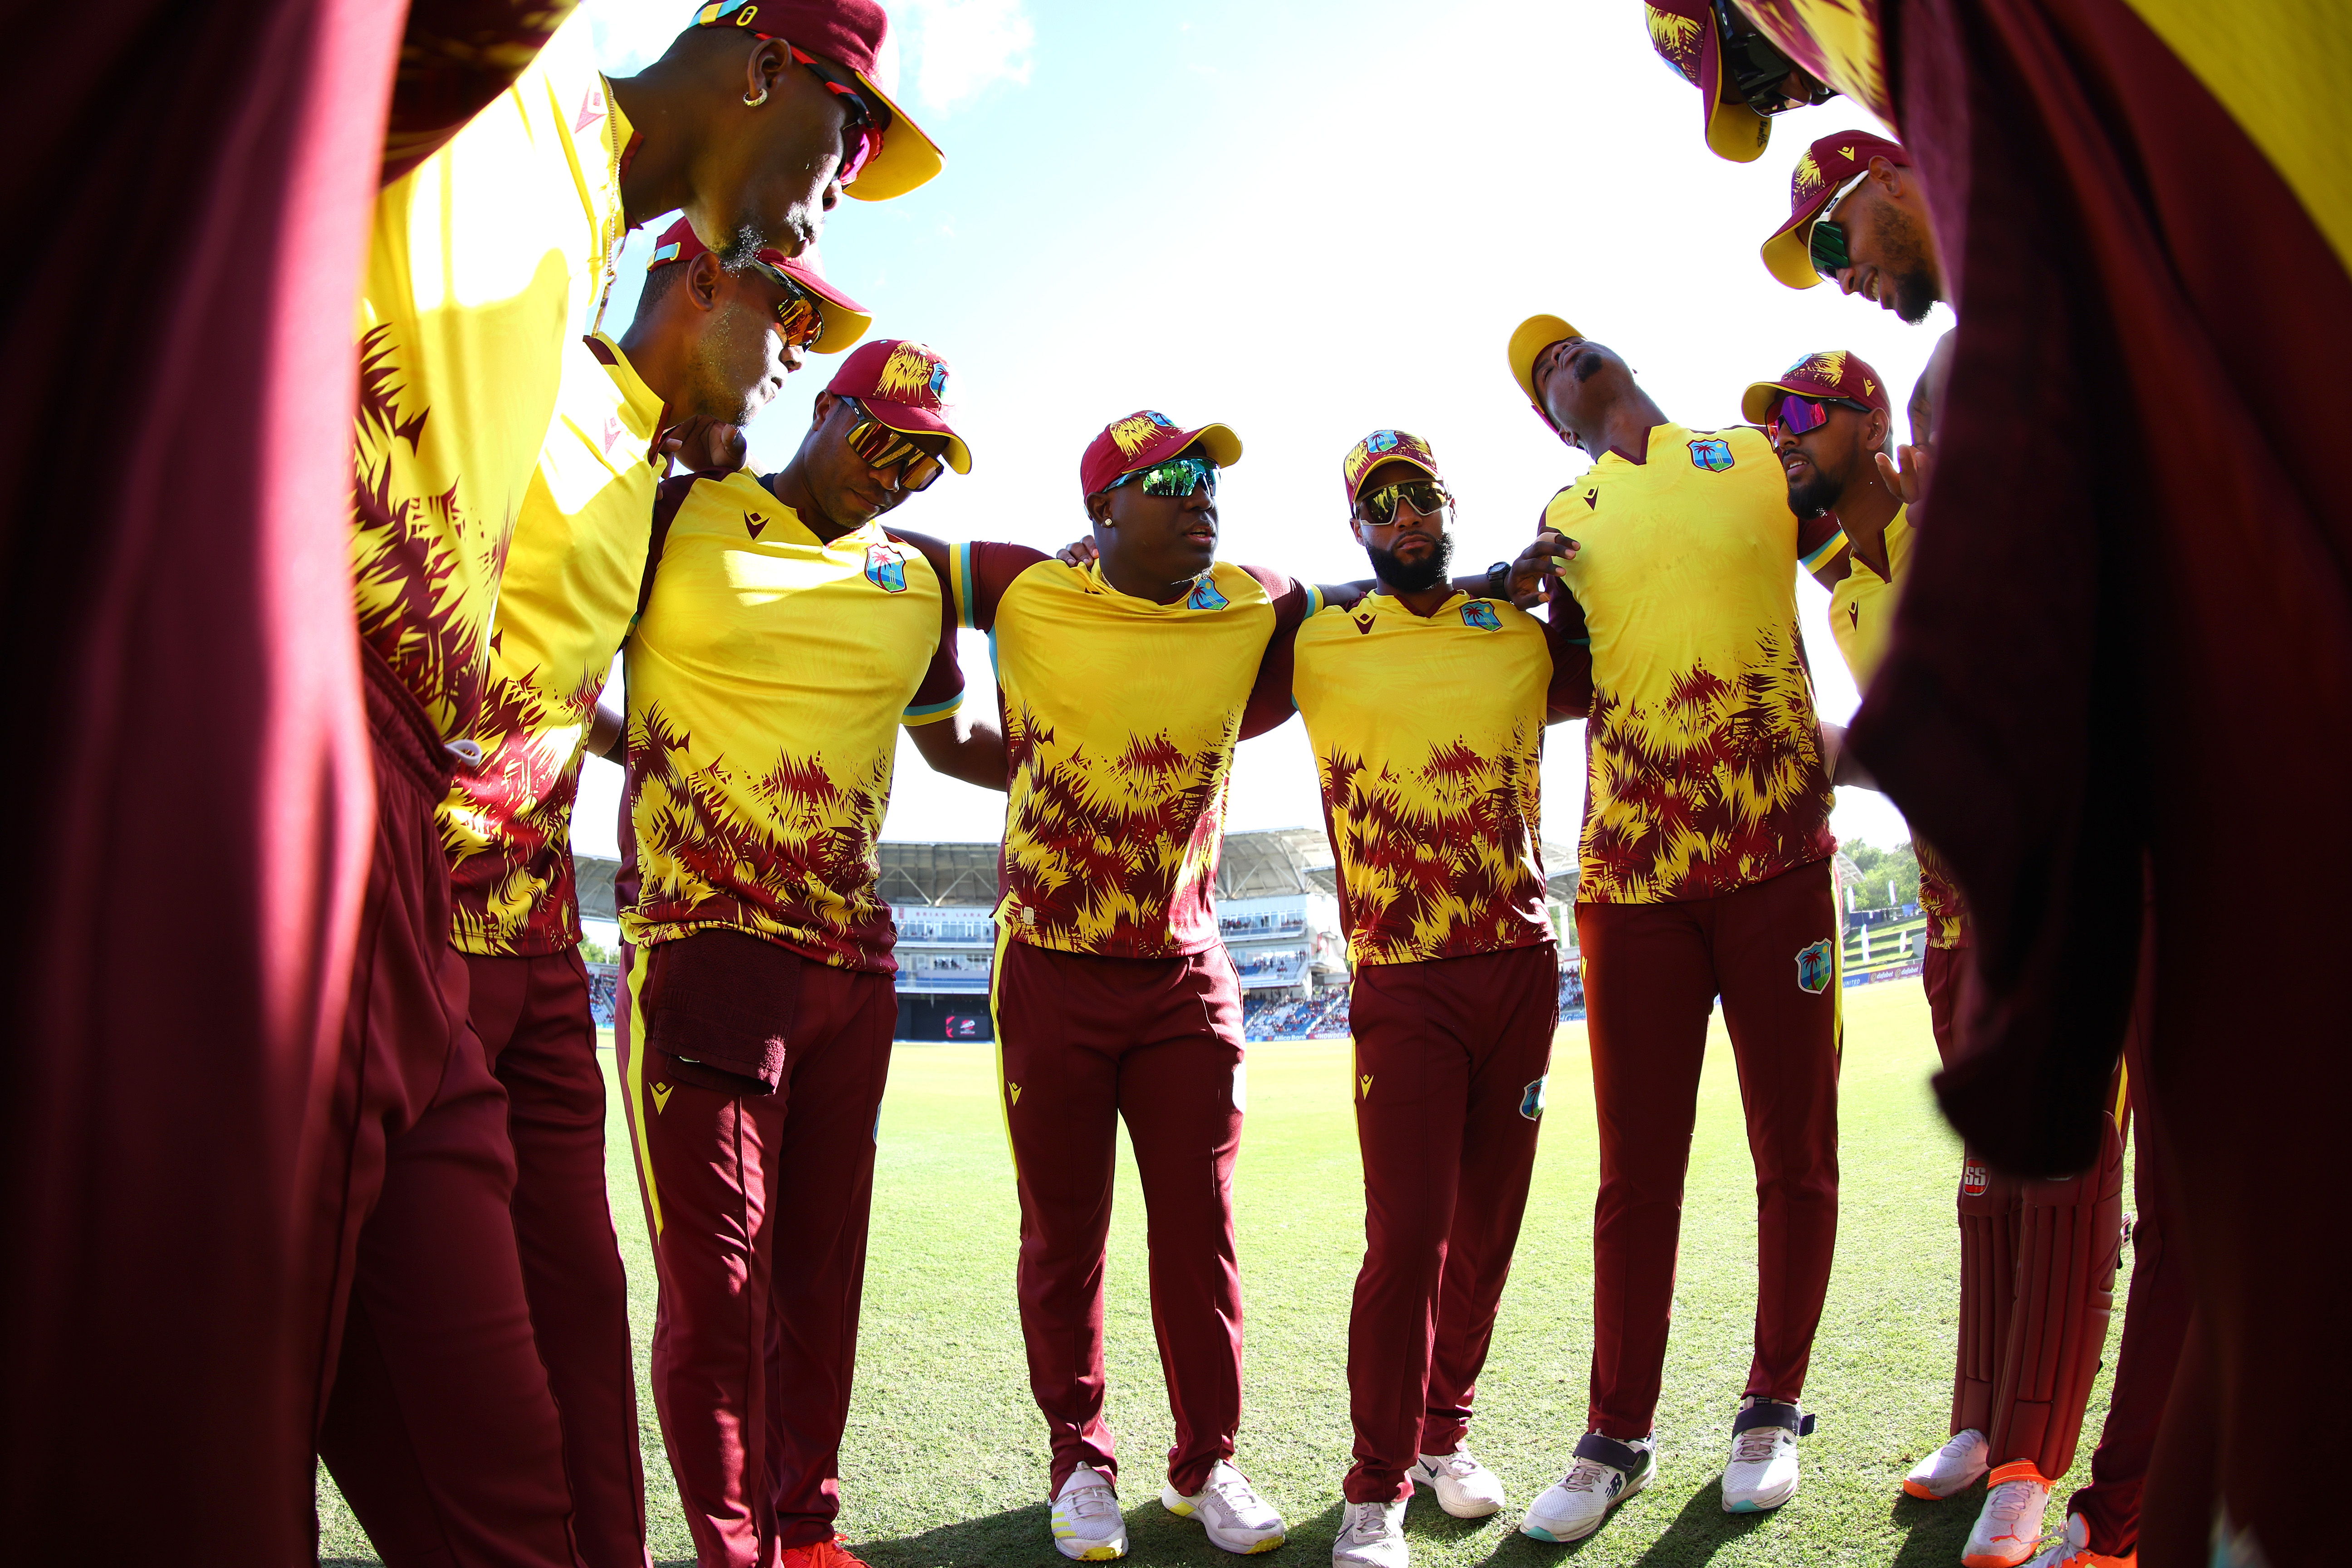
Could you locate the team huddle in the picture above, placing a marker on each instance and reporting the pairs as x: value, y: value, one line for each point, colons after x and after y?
x: 530, y: 506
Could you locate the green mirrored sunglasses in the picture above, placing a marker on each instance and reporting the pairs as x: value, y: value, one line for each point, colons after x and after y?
x: 1175, y: 476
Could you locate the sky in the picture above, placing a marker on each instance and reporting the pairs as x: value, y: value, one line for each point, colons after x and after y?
x: 1307, y: 221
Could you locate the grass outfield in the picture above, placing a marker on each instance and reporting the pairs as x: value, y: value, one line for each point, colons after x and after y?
x: 944, y: 1465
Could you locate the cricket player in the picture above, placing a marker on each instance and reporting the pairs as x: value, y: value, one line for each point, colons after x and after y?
x: 1124, y: 686
x: 789, y: 633
x: 1426, y: 707
x: 2037, y: 1257
x: 708, y: 350
x: 435, y: 1414
x: 1705, y: 861
x: 2145, y: 424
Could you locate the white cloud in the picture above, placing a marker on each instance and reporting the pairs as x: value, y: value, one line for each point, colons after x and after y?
x: 957, y: 49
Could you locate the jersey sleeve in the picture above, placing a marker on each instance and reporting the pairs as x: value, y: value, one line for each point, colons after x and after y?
x: 977, y: 575
x: 941, y: 695
x: 1270, y: 700
x: 1570, y: 695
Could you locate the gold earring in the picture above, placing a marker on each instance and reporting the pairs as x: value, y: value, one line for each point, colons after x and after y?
x: 750, y: 102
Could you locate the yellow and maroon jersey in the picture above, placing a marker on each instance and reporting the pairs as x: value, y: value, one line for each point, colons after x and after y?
x: 1428, y: 738
x: 1120, y: 719
x: 483, y: 260
x: 569, y: 592
x: 767, y: 680
x: 1862, y: 605
x: 2264, y: 61
x: 1862, y: 617
x: 1703, y: 756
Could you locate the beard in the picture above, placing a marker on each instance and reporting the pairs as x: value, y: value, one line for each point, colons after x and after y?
x: 1813, y: 496
x: 721, y: 381
x: 1416, y: 577
x: 1906, y: 264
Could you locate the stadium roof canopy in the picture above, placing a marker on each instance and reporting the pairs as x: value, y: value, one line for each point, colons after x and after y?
x: 1260, y: 865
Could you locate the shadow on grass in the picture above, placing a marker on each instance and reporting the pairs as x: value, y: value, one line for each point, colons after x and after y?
x: 1700, y: 1530
x: 1933, y: 1532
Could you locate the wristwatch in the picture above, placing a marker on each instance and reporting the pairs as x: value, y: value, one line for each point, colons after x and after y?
x: 1498, y: 580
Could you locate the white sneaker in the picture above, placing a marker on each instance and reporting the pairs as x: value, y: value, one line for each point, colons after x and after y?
x: 1087, y: 1520
x: 1230, y: 1510
x: 1371, y: 1535
x: 1761, y: 1473
x: 1466, y: 1489
x: 2073, y: 1549
x: 1605, y: 1474
x: 1956, y: 1467
x: 2009, y: 1529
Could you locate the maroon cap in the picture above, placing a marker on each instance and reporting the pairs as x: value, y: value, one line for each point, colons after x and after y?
x: 1833, y: 372
x: 905, y: 386
x: 843, y: 320
x: 1825, y: 170
x: 1144, y: 438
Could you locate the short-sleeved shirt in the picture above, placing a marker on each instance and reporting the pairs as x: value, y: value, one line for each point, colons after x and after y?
x: 1120, y: 719
x: 569, y: 590
x: 1703, y: 756
x: 483, y: 260
x: 767, y: 680
x: 1428, y: 739
x: 1862, y: 617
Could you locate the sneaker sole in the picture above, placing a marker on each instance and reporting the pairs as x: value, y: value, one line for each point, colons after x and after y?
x: 1998, y: 1558
x: 1245, y: 1547
x: 1762, y: 1505
x: 1103, y: 1553
x: 1537, y: 1532
x: 1483, y: 1510
x: 1926, y: 1492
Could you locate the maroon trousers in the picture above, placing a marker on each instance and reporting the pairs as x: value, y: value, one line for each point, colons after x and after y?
x: 1082, y: 1042
x: 532, y: 1016
x: 2156, y: 1315
x: 1452, y: 1056
x: 1651, y: 973
x: 435, y: 1415
x: 758, y: 1205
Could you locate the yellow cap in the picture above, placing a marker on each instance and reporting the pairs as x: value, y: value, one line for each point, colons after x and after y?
x: 1529, y: 342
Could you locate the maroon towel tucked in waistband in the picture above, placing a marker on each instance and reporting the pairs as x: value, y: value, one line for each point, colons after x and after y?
x: 721, y: 1004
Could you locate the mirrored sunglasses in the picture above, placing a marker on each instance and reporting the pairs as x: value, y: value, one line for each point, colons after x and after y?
x: 1177, y: 476
x: 1826, y: 244
x: 880, y: 447
x: 797, y: 311
x: 861, y: 127
x: 1799, y: 416
x: 1426, y: 497
x: 1760, y: 71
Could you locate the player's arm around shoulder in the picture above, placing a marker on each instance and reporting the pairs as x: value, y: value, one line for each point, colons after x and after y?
x: 950, y: 740
x: 1567, y: 637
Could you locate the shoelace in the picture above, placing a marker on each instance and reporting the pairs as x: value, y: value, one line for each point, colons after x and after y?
x: 1586, y: 1476
x: 1756, y: 1444
x: 1457, y: 1464
x: 1091, y: 1504
x: 2010, y: 1501
x: 1232, y: 1489
x: 1366, y: 1522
